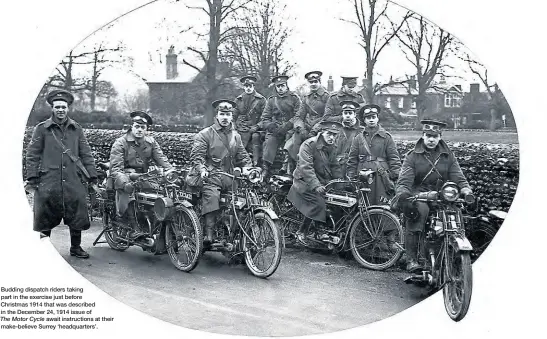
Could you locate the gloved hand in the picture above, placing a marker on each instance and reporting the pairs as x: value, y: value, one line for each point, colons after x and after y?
x: 272, y: 127
x: 320, y: 189
x: 401, y: 202
x: 285, y: 128
x: 465, y: 191
x: 129, y: 187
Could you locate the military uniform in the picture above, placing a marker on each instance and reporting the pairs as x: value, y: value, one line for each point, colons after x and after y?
x: 333, y: 108
x: 278, y: 119
x: 246, y: 117
x: 418, y: 175
x: 60, y: 193
x: 130, y: 155
x: 317, y: 165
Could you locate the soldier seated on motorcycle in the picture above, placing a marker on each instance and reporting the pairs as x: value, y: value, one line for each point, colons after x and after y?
x: 317, y: 165
x: 133, y: 153
x: 217, y: 147
x: 430, y: 163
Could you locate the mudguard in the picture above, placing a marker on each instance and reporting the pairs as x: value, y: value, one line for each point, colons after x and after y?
x: 186, y: 203
x: 462, y: 244
x: 267, y: 211
x: 382, y: 207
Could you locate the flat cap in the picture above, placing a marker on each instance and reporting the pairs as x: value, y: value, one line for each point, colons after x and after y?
x: 313, y: 75
x: 224, y: 105
x: 280, y: 79
x: 433, y: 126
x: 349, y: 105
x: 370, y: 109
x: 331, y: 126
x: 248, y: 79
x: 60, y: 94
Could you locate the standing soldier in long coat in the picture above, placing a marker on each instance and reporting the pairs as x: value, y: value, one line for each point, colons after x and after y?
x: 429, y: 163
x: 58, y: 160
x: 333, y: 108
x: 375, y: 149
x: 350, y: 129
x: 134, y: 152
x: 278, y: 120
x: 217, y: 147
x: 310, y: 113
x: 317, y: 165
x: 250, y: 105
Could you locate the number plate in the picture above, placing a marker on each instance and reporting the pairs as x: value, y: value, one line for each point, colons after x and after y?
x: 184, y: 195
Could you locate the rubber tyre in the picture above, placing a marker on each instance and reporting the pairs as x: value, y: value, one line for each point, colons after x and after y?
x: 174, y: 233
x: 111, y: 237
x: 276, y: 237
x: 462, y: 261
x: 393, y: 256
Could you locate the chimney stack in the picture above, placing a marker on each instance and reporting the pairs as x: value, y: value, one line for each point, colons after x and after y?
x: 171, y: 63
x: 330, y: 84
x: 412, y: 82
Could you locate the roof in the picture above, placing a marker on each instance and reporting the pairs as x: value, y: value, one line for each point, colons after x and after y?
x: 398, y: 89
x: 442, y: 88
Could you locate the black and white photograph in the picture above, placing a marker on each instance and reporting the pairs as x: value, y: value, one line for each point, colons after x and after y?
x: 268, y: 168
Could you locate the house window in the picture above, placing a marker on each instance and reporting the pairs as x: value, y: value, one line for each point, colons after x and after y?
x: 413, y: 103
x: 388, y: 102
x: 401, y: 102
x: 452, y: 100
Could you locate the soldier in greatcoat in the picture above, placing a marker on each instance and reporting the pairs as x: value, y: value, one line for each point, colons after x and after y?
x: 250, y: 105
x: 317, y: 165
x: 347, y: 92
x: 58, y: 163
x: 351, y: 127
x: 217, y: 148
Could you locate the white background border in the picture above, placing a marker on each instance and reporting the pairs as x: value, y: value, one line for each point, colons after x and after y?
x: 508, y: 296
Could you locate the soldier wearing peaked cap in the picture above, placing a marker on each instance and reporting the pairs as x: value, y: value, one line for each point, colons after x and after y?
x: 217, y: 147
x: 58, y: 162
x: 347, y: 92
x: 278, y: 119
x: 317, y: 165
x: 429, y: 164
x: 250, y: 105
x: 350, y: 129
x: 375, y: 149
x: 134, y: 152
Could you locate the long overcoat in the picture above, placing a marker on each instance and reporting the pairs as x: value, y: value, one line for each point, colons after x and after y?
x: 333, y: 108
x: 316, y: 166
x: 344, y: 141
x: 247, y: 113
x: 384, y: 153
x: 61, y: 192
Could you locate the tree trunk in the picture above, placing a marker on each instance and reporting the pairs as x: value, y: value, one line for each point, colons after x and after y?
x: 94, y: 82
x: 493, y: 119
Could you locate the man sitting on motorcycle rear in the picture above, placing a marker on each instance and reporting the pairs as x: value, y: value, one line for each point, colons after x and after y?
x: 317, y: 165
x: 133, y: 153
x: 217, y: 147
x: 423, y: 168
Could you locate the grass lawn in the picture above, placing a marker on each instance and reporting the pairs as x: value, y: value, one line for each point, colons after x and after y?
x: 463, y: 136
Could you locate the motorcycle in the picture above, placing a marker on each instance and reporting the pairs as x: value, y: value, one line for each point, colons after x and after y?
x: 163, y: 214
x: 372, y: 233
x: 246, y: 225
x: 446, y: 250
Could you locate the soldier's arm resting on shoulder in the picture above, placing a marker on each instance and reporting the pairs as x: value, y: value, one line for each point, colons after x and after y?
x: 393, y: 158
x: 305, y: 162
x: 159, y: 158
x: 406, y: 175
x: 199, y: 151
x: 35, y: 149
x: 353, y: 157
x: 86, y: 155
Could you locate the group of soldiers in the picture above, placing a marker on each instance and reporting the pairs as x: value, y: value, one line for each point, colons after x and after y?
x: 324, y: 137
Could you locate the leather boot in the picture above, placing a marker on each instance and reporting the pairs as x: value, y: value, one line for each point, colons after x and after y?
x: 209, y: 227
x: 256, y: 155
x: 132, y: 221
x: 75, y: 242
x: 411, y: 247
x: 291, y: 166
x: 266, y: 171
x: 302, y: 232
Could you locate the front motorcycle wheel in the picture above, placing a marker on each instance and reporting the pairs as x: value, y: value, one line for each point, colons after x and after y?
x: 112, y: 232
x: 263, y: 250
x: 458, y: 276
x: 184, y: 239
x: 376, y: 246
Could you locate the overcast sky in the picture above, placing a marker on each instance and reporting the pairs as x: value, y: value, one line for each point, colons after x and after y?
x: 321, y: 41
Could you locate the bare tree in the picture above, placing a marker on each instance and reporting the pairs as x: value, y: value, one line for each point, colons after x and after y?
x: 426, y: 47
x: 218, y: 13
x: 496, y: 100
x: 377, y: 29
x: 259, y: 41
x: 139, y: 101
x: 101, y: 58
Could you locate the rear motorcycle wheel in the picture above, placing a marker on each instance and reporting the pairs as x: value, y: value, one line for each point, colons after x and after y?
x: 377, y: 246
x: 263, y: 253
x: 112, y: 236
x: 459, y: 283
x: 289, y: 218
x: 184, y: 239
